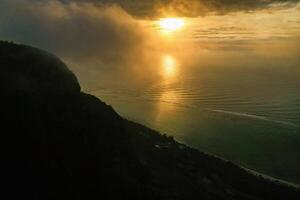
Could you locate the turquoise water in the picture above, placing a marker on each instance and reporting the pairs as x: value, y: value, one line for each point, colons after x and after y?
x: 247, y: 115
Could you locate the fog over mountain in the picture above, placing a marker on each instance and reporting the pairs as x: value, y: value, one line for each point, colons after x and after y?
x: 58, y: 142
x: 219, y: 75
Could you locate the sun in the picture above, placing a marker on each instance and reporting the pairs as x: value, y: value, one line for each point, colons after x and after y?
x: 171, y: 24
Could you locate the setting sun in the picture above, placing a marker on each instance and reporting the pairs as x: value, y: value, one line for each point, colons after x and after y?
x: 171, y: 24
x: 150, y: 99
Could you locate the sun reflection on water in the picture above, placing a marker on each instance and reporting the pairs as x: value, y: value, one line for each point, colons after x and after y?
x: 169, y: 66
x: 169, y: 96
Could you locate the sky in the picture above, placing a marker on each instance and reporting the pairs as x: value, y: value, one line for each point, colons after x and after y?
x: 124, y: 37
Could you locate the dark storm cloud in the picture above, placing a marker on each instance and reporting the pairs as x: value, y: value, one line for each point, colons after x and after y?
x: 77, y: 31
x: 190, y: 8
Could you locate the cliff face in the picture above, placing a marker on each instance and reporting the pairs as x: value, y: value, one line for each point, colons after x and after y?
x: 59, y: 143
x: 56, y: 141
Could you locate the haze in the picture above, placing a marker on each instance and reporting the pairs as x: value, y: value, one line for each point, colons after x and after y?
x: 221, y: 76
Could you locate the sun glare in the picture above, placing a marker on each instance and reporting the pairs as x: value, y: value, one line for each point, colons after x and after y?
x: 171, y: 24
x: 169, y: 65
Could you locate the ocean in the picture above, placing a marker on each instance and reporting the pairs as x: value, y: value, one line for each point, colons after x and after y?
x: 248, y: 115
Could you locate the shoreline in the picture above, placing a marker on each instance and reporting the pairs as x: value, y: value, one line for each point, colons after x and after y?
x: 251, y: 171
x: 277, y: 180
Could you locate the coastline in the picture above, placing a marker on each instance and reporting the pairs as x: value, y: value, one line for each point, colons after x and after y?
x: 182, y: 146
x: 251, y: 171
x: 277, y: 180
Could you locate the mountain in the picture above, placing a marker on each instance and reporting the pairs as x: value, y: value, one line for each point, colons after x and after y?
x: 59, y: 143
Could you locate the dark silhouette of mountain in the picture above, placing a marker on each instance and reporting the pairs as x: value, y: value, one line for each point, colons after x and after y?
x: 60, y: 143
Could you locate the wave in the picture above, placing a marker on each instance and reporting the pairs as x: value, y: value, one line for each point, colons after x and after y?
x: 153, y: 94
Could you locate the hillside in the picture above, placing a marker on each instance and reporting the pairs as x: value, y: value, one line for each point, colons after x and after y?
x: 60, y: 143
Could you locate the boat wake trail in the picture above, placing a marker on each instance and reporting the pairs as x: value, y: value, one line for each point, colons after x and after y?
x: 153, y: 95
x: 254, y: 117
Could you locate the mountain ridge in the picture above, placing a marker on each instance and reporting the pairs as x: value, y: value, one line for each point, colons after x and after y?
x: 59, y: 142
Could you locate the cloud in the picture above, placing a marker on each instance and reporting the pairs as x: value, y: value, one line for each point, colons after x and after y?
x: 89, y: 37
x: 191, y: 8
x: 96, y: 35
x: 75, y: 30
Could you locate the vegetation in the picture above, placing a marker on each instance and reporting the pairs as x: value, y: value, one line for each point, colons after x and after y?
x: 60, y: 143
